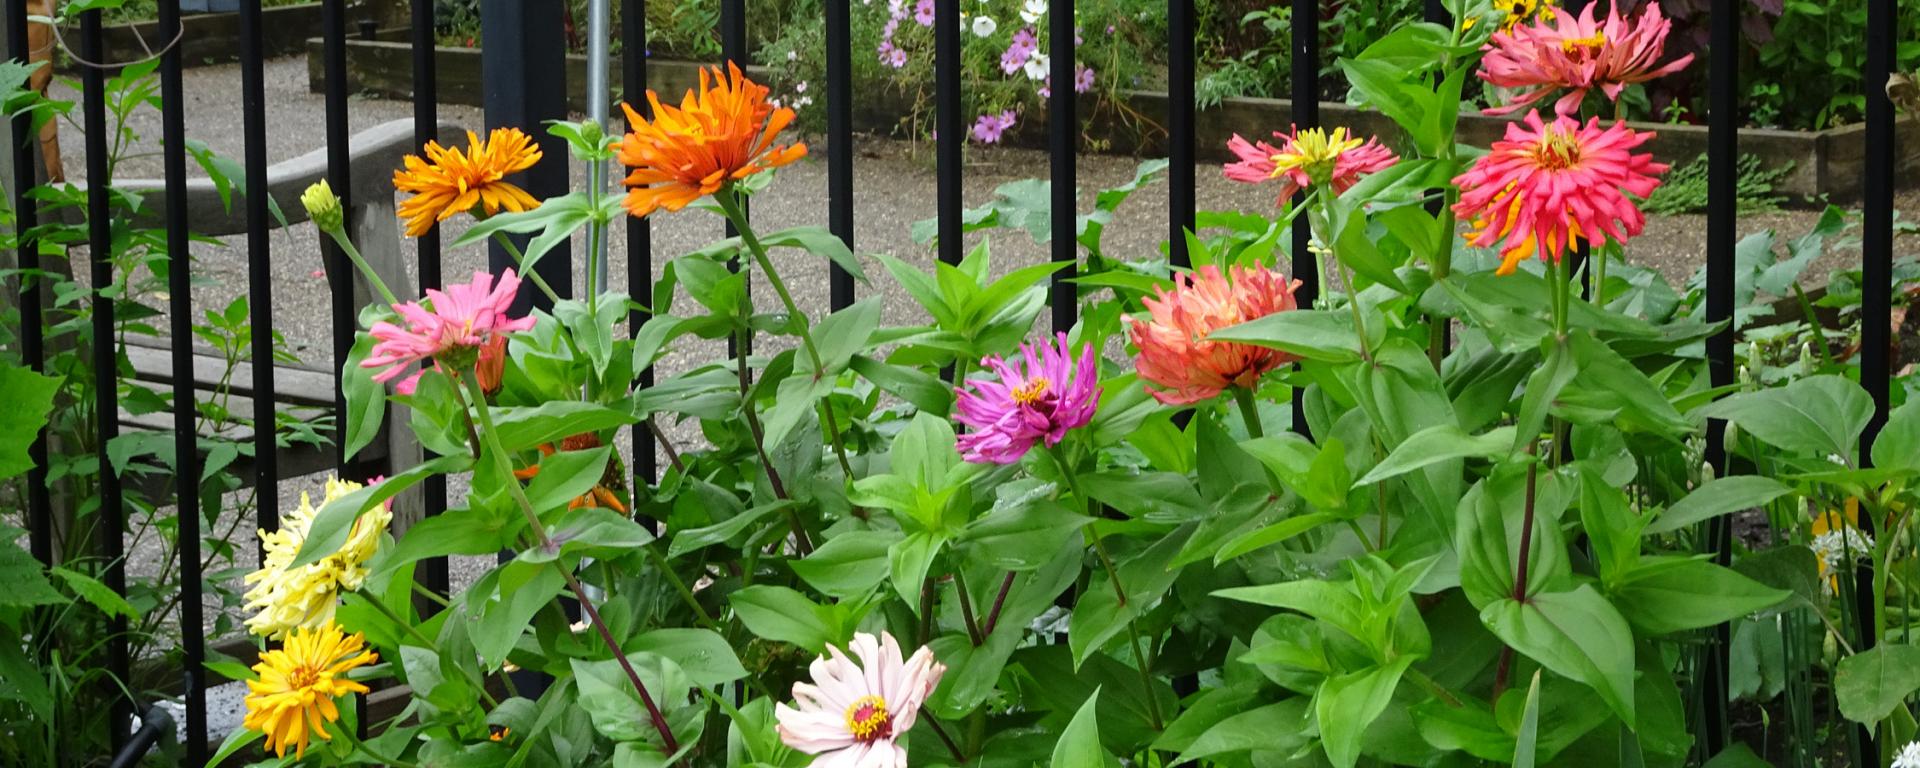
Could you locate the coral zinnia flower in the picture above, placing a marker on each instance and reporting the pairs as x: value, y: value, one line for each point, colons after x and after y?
x: 1308, y: 157
x: 294, y: 698
x: 855, y: 714
x: 718, y: 135
x: 304, y: 597
x: 1174, y: 350
x: 1577, y: 53
x: 1044, y: 398
x: 463, y: 319
x: 1545, y: 185
x: 451, y: 181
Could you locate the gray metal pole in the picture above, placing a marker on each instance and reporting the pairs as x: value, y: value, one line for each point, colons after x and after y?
x: 598, y: 92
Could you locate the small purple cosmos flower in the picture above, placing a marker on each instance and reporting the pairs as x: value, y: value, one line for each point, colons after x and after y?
x: 923, y: 13
x: 898, y: 58
x: 1082, y: 78
x: 987, y: 128
x: 1026, y: 41
x: 1049, y: 394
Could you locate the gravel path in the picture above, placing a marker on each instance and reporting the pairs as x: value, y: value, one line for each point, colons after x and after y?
x: 895, y: 186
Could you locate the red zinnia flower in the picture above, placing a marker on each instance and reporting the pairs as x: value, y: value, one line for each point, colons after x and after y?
x: 1307, y: 157
x: 1545, y: 185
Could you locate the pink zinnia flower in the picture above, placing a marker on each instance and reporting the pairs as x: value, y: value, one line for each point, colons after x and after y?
x: 853, y: 715
x: 1578, y: 54
x: 464, y: 317
x: 1174, y: 350
x: 1308, y: 157
x: 1044, y: 398
x: 1544, y: 185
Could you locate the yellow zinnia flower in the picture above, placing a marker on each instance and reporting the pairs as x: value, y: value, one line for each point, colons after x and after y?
x: 294, y: 698
x: 290, y: 598
x: 451, y: 181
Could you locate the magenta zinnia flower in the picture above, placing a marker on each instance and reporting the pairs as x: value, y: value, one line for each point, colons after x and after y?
x: 464, y: 317
x: 1336, y: 158
x: 1545, y: 185
x: 1577, y: 53
x: 852, y: 716
x: 1044, y: 398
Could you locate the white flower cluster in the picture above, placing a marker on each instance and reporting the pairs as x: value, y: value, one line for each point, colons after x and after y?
x: 1836, y: 550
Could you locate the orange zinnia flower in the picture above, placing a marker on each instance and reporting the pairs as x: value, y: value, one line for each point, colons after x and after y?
x: 1174, y: 350
x: 719, y: 134
x: 451, y: 181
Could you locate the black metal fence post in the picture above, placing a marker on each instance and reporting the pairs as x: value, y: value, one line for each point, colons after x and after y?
x: 1876, y: 287
x: 1180, y: 132
x: 253, y: 129
x: 840, y: 199
x: 1063, y: 127
x: 432, y: 573
x: 186, y: 449
x: 333, y: 29
x: 733, y: 48
x: 1306, y: 114
x: 1723, y: 153
x: 32, y: 324
x: 633, y: 66
x: 524, y: 78
x: 947, y: 125
x: 112, y: 519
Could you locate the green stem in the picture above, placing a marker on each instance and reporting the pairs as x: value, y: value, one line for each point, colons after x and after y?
x: 966, y: 607
x: 1119, y: 590
x: 1249, y: 410
x: 1346, y: 276
x: 426, y: 642
x: 521, y: 259
x: 546, y: 544
x: 360, y: 262
x: 730, y: 205
x: 378, y: 758
x: 686, y: 595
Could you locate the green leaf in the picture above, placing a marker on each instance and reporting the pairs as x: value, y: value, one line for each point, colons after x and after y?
x: 592, y: 326
x: 29, y: 397
x: 1817, y: 416
x: 1381, y: 83
x: 848, y: 565
x: 1435, y: 444
x: 565, y: 476
x: 1670, y: 594
x: 95, y: 593
x: 783, y: 615
x: 609, y: 698
x: 925, y: 392
x: 1347, y: 704
x: 1542, y: 387
x: 1577, y: 635
x: 1314, y: 334
x: 331, y: 525
x: 26, y: 682
x: 1024, y: 534
x: 1526, y: 743
x: 1079, y: 745
x: 524, y: 428
x: 1278, y: 727
x: 819, y: 242
x: 703, y: 654
x: 1898, y: 446
x: 26, y: 584
x: 1872, y: 683
x: 520, y: 590
x: 908, y: 561
x: 237, y: 739
x: 591, y: 532
x: 843, y: 334
x: 443, y: 535
x: 1099, y: 615
x: 366, y: 398
x: 1716, y: 498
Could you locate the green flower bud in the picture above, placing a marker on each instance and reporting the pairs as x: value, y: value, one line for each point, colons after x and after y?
x: 323, y: 206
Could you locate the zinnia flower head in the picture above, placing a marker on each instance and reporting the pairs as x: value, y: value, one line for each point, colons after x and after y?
x: 451, y: 181
x: 305, y: 597
x: 1575, y: 53
x: 853, y: 715
x: 464, y: 318
x: 293, y: 699
x: 1546, y: 184
x: 1306, y: 158
x: 721, y: 133
x: 1175, y: 353
x: 1048, y: 394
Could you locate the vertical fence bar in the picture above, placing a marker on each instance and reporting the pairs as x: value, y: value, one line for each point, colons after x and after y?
x: 253, y: 129
x: 1723, y: 153
x: 947, y: 123
x: 1436, y: 13
x: 333, y: 28
x: 524, y: 77
x: 633, y: 73
x: 1180, y: 133
x: 1062, y: 128
x: 1306, y: 114
x: 1876, y: 287
x: 840, y: 142
x: 186, y: 449
x: 32, y: 326
x: 733, y: 48
x: 426, y: 118
x: 106, y: 403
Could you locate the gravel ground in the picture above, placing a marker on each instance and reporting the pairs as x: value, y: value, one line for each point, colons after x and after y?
x: 895, y: 186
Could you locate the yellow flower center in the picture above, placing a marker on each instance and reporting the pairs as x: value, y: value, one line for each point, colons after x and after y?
x: 1031, y: 392
x: 1558, y: 150
x: 303, y: 676
x: 868, y: 720
x: 1592, y: 43
x: 1315, y: 151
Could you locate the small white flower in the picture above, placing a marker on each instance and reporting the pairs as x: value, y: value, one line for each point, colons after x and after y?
x: 1033, y: 10
x: 984, y: 26
x: 1836, y: 550
x: 1037, y: 67
x: 802, y: 102
x: 800, y: 87
x: 1909, y: 756
x: 793, y: 55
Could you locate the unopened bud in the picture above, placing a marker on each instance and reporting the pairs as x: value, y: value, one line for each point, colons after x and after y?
x: 323, y: 206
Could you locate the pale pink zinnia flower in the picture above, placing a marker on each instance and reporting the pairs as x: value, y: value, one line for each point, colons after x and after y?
x: 1042, y: 399
x: 1306, y: 157
x: 852, y: 716
x: 1577, y: 53
x: 1545, y: 185
x: 1174, y: 351
x: 465, y: 316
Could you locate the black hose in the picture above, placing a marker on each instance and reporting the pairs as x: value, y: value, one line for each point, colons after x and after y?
x: 157, y: 722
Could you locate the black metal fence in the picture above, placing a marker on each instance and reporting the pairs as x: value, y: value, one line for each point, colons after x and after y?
x: 525, y: 57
